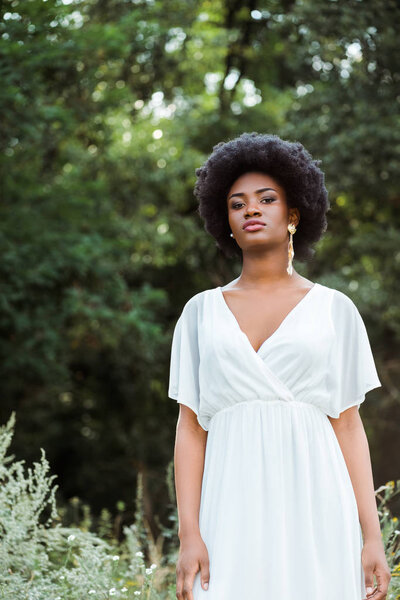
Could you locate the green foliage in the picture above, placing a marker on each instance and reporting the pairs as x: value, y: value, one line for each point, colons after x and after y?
x: 107, y: 109
x: 390, y: 525
x: 41, y: 559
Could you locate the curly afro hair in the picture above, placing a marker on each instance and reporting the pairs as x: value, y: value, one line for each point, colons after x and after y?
x: 288, y: 162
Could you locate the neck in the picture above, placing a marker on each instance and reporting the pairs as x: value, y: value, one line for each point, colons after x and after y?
x: 266, y: 270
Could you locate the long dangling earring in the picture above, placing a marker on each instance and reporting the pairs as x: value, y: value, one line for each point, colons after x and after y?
x: 292, y: 230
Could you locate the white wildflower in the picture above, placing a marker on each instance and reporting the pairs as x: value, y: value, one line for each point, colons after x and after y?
x: 91, y: 591
x: 115, y: 557
x: 140, y: 553
x: 124, y: 589
x: 71, y: 538
x: 149, y: 571
x: 112, y: 591
x: 380, y: 489
x: 62, y: 576
x: 136, y: 593
x: 153, y: 566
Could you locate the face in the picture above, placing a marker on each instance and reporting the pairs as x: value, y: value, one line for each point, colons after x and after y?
x: 257, y: 196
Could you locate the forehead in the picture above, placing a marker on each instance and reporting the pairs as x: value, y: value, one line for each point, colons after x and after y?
x: 251, y: 181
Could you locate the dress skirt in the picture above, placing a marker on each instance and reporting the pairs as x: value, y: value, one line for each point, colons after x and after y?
x: 278, y: 511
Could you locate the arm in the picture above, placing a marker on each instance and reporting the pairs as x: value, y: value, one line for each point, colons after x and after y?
x: 353, y: 442
x: 189, y: 455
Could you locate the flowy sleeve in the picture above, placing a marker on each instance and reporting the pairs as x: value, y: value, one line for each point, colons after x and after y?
x: 185, y: 360
x: 352, y: 370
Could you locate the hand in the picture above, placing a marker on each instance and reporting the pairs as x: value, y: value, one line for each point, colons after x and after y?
x: 192, y: 555
x: 374, y: 563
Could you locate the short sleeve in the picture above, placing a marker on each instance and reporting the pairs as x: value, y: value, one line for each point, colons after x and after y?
x: 352, y: 370
x: 185, y: 360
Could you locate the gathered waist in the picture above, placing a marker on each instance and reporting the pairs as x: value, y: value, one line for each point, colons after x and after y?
x: 270, y: 401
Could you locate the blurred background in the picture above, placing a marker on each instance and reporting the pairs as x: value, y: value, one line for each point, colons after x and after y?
x: 107, y: 109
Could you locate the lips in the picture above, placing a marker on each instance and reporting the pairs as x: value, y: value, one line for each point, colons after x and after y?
x: 253, y: 225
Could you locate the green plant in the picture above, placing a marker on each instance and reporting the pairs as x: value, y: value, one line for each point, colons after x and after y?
x: 40, y: 559
x: 390, y: 534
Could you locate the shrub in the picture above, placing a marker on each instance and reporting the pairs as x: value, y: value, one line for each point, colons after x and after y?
x: 40, y: 559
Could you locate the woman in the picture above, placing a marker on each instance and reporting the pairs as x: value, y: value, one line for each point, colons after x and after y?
x: 273, y: 477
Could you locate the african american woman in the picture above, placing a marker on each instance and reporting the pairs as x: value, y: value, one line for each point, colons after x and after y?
x: 273, y: 474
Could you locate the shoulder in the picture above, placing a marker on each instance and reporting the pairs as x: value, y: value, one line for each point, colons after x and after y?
x: 343, y: 303
x: 344, y: 314
x: 339, y: 300
x: 340, y: 309
x: 194, y: 304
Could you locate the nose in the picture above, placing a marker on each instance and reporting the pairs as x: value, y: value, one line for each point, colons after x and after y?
x: 252, y: 209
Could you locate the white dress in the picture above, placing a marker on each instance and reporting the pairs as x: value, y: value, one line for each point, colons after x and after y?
x: 278, y: 513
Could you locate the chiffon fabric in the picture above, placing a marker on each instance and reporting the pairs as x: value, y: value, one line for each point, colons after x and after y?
x: 278, y: 513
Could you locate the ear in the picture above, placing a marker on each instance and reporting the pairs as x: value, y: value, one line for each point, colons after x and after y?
x: 294, y: 216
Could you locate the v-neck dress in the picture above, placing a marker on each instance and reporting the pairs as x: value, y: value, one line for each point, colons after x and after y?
x: 278, y: 513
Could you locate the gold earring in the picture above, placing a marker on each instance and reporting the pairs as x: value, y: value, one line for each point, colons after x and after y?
x: 292, y: 230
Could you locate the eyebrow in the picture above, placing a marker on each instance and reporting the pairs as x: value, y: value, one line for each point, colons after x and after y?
x: 257, y: 192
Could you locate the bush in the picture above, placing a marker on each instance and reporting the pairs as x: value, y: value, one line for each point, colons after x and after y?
x: 40, y: 559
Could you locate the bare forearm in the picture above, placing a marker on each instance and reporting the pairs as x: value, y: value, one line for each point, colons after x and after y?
x: 189, y: 457
x: 354, y: 444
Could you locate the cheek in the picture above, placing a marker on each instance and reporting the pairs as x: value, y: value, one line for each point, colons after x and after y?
x: 233, y: 219
x: 280, y: 220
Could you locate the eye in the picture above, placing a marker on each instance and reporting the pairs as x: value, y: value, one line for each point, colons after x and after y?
x: 239, y: 204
